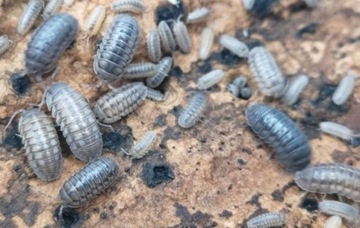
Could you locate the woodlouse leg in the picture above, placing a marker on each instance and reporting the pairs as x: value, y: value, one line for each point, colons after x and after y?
x: 55, y: 72
x: 106, y: 125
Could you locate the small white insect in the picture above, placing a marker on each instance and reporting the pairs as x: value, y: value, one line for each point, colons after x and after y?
x: 5, y: 44
x: 234, y: 45
x: 206, y: 43
x: 248, y: 4
x: 28, y: 17
x: 198, y: 15
x: 182, y: 37
x: 210, y: 79
x: 344, y: 89
x: 267, y: 220
x: 121, y: 6
x: 153, y: 45
x: 312, y: 3
x: 140, y: 70
x: 334, y: 221
x: 166, y: 37
x: 337, y: 130
x: 94, y: 21
x: 51, y: 7
x: 155, y: 95
x: 344, y: 210
x: 294, y: 88
x: 143, y: 145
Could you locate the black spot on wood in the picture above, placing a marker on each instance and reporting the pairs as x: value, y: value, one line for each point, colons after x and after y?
x: 310, y: 28
x: 205, y: 67
x: 198, y: 219
x: 121, y: 138
x: 262, y: 8
x: 168, y: 12
x: 226, y: 57
x: 176, y: 71
x: 155, y: 174
x: 68, y: 217
x: 11, y: 139
x: 309, y: 204
x: 226, y: 214
x: 20, y: 83
x: 160, y: 121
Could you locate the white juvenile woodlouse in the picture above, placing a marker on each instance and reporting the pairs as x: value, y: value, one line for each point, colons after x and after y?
x: 294, y: 88
x: 163, y: 70
x: 28, y: 17
x: 206, y: 43
x: 234, y: 45
x: 155, y: 95
x: 267, y: 220
x: 344, y: 210
x: 198, y: 15
x: 5, y: 44
x: 266, y: 72
x: 153, y: 45
x: 143, y: 145
x: 140, y: 70
x: 51, y: 7
x: 210, y: 79
x: 248, y: 4
x: 166, y: 37
x: 89, y: 182
x: 191, y: 114
x: 122, y: 6
x: 344, y: 89
x: 337, y: 130
x: 333, y: 222
x: 181, y: 36
x: 94, y: 21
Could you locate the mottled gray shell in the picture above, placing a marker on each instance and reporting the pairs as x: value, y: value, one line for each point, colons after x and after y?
x: 346, y: 211
x: 5, y: 44
x: 51, y: 7
x: 153, y: 45
x: 210, y: 79
x: 155, y: 95
x: 194, y: 110
x: 28, y: 17
x: 182, y: 37
x: 166, y: 37
x: 163, y: 70
x: 234, y: 45
x: 198, y: 15
x: 287, y: 141
x: 273, y: 219
x: 206, y: 43
x: 143, y: 145
x: 140, y: 70
x: 89, y: 182
x: 122, y: 6
x: 94, y: 21
x: 294, y: 88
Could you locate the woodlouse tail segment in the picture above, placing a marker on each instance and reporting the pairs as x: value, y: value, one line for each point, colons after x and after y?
x: 303, y: 178
x: 12, y: 118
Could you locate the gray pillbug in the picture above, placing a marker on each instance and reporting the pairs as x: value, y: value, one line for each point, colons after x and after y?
x: 248, y: 4
x: 166, y: 37
x: 117, y: 48
x: 41, y: 143
x: 5, y: 44
x: 181, y: 35
x: 44, y: 51
x: 344, y: 210
x: 89, y: 182
x: 164, y: 68
x: 234, y: 89
x: 155, y: 95
x: 240, y: 81
x: 210, y: 79
x: 206, y: 43
x: 266, y: 72
x: 153, y: 45
x: 333, y: 222
x: 76, y: 120
x: 267, y: 220
x: 287, y: 141
x: 337, y: 130
x: 234, y: 45
x: 198, y: 15
x: 51, y: 7
x: 122, y: 6
x: 245, y: 93
x: 191, y: 114
x: 331, y: 178
x: 312, y: 3
x: 28, y: 17
x: 344, y: 89
x: 294, y: 88
x: 140, y: 70
x: 94, y: 21
x: 120, y: 102
x: 143, y: 145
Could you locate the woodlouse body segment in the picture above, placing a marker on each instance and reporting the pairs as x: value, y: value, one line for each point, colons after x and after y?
x: 143, y: 145
x: 287, y: 141
x: 166, y: 37
x: 294, y: 88
x: 5, y: 44
x: 182, y: 37
x: 120, y: 102
x: 206, y: 43
x: 95, y: 20
x: 194, y: 110
x: 89, y: 182
x: 42, y: 144
x: 140, y: 70
x: 28, y: 17
x: 51, y: 7
x: 344, y: 89
x: 331, y: 178
x: 198, y: 15
x: 344, y: 210
x: 267, y: 220
x: 153, y: 45
x: 210, y: 79
x: 155, y: 95
x: 266, y: 72
x: 333, y: 222
x: 117, y: 48
x: 337, y: 130
x: 122, y: 6
x: 234, y: 45
x: 163, y: 70
x: 76, y: 120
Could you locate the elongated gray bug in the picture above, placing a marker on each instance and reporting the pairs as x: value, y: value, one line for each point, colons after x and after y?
x: 120, y: 102
x: 122, y: 6
x: 198, y: 15
x: 76, y: 120
x: 333, y: 222
x: 166, y: 37
x: 267, y: 220
x: 153, y: 45
x: 5, y: 44
x: 28, y: 17
x: 210, y: 79
x: 182, y: 37
x: 89, y: 182
x: 344, y: 210
x: 44, y: 51
x: 163, y: 70
x: 206, y: 43
x: 94, y: 21
x: 117, y: 48
x: 155, y: 95
x: 344, y: 89
x: 234, y: 45
x: 194, y: 110
x: 51, y: 7
x: 140, y: 70
x: 287, y: 141
x: 331, y: 178
x: 143, y: 145
x: 294, y: 88
x: 266, y: 72
x: 312, y: 3
x: 337, y: 130
x: 248, y: 4
x: 41, y: 143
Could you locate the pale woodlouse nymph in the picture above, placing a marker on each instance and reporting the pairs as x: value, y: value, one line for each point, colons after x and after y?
x: 163, y: 70
x: 166, y: 36
x: 267, y: 220
x: 94, y: 21
x: 192, y: 113
x: 266, y: 72
x: 51, y: 7
x: 330, y: 178
x: 76, y: 120
x: 287, y: 141
x: 344, y: 89
x: 181, y: 36
x: 143, y: 145
x: 122, y: 6
x: 344, y: 210
x: 294, y: 88
x: 153, y: 45
x: 206, y: 43
x: 28, y: 17
x: 155, y: 95
x: 210, y: 79
x: 333, y: 222
x: 198, y: 15
x: 140, y: 70
x: 89, y: 182
x: 5, y: 44
x: 120, y: 102
x: 337, y: 130
x: 234, y: 45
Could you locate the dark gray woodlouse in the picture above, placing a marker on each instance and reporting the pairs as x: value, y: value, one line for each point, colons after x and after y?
x: 28, y: 17
x: 140, y: 70
x: 121, y: 6
x: 163, y: 70
x: 331, y: 178
x: 76, y: 120
x: 166, y: 37
x: 153, y: 45
x: 194, y: 110
x: 267, y: 220
x: 49, y: 42
x: 155, y: 95
x: 287, y: 141
x: 117, y: 48
x: 346, y: 211
x: 181, y: 36
x: 5, y: 44
x: 120, y: 102
x: 89, y: 182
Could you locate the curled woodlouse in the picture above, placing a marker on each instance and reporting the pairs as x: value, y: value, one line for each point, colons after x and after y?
x: 191, y: 114
x: 287, y: 141
x: 76, y: 120
x: 331, y: 178
x: 121, y: 6
x: 266, y: 72
x: 198, y: 15
x: 166, y: 37
x: 210, y: 79
x: 94, y: 21
x: 344, y: 89
x: 155, y: 95
x: 117, y: 48
x: 153, y: 45
x: 337, y: 130
x: 143, y: 145
x: 248, y: 4
x: 140, y: 70
x: 333, y: 222
x: 234, y: 45
x: 5, y: 44
x: 234, y: 89
x: 240, y: 81
x: 44, y: 51
x: 51, y: 7
x: 89, y: 182
x: 206, y: 42
x: 294, y: 88
x: 28, y: 17
x: 267, y: 220
x: 344, y: 210
x: 120, y: 102
x: 181, y: 35
x: 41, y: 143
x: 245, y: 93
x: 163, y: 70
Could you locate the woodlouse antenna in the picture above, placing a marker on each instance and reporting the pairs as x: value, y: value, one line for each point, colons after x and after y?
x: 13, y: 116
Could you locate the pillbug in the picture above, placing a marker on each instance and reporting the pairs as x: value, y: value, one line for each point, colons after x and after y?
x: 267, y: 220
x: 248, y: 4
x: 163, y: 70
x: 28, y: 17
x: 240, y: 81
x: 166, y: 37
x: 155, y: 95
x: 51, y: 7
x: 333, y: 222
x: 287, y: 141
x: 41, y: 143
x: 206, y: 42
x: 344, y: 89
x: 344, y: 210
x: 234, y: 89
x: 117, y: 48
x: 120, y: 102
x: 153, y: 45
x: 294, y: 88
x: 122, y: 6
x: 181, y: 36
x: 210, y: 79
x: 337, y: 130
x: 191, y: 114
x: 76, y: 120
x: 140, y: 70
x: 234, y: 45
x: 89, y: 182
x: 331, y: 178
x: 143, y: 145
x: 266, y: 72
x: 94, y: 21
x: 5, y: 44
x: 245, y: 93
x: 198, y: 15
x: 44, y: 51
